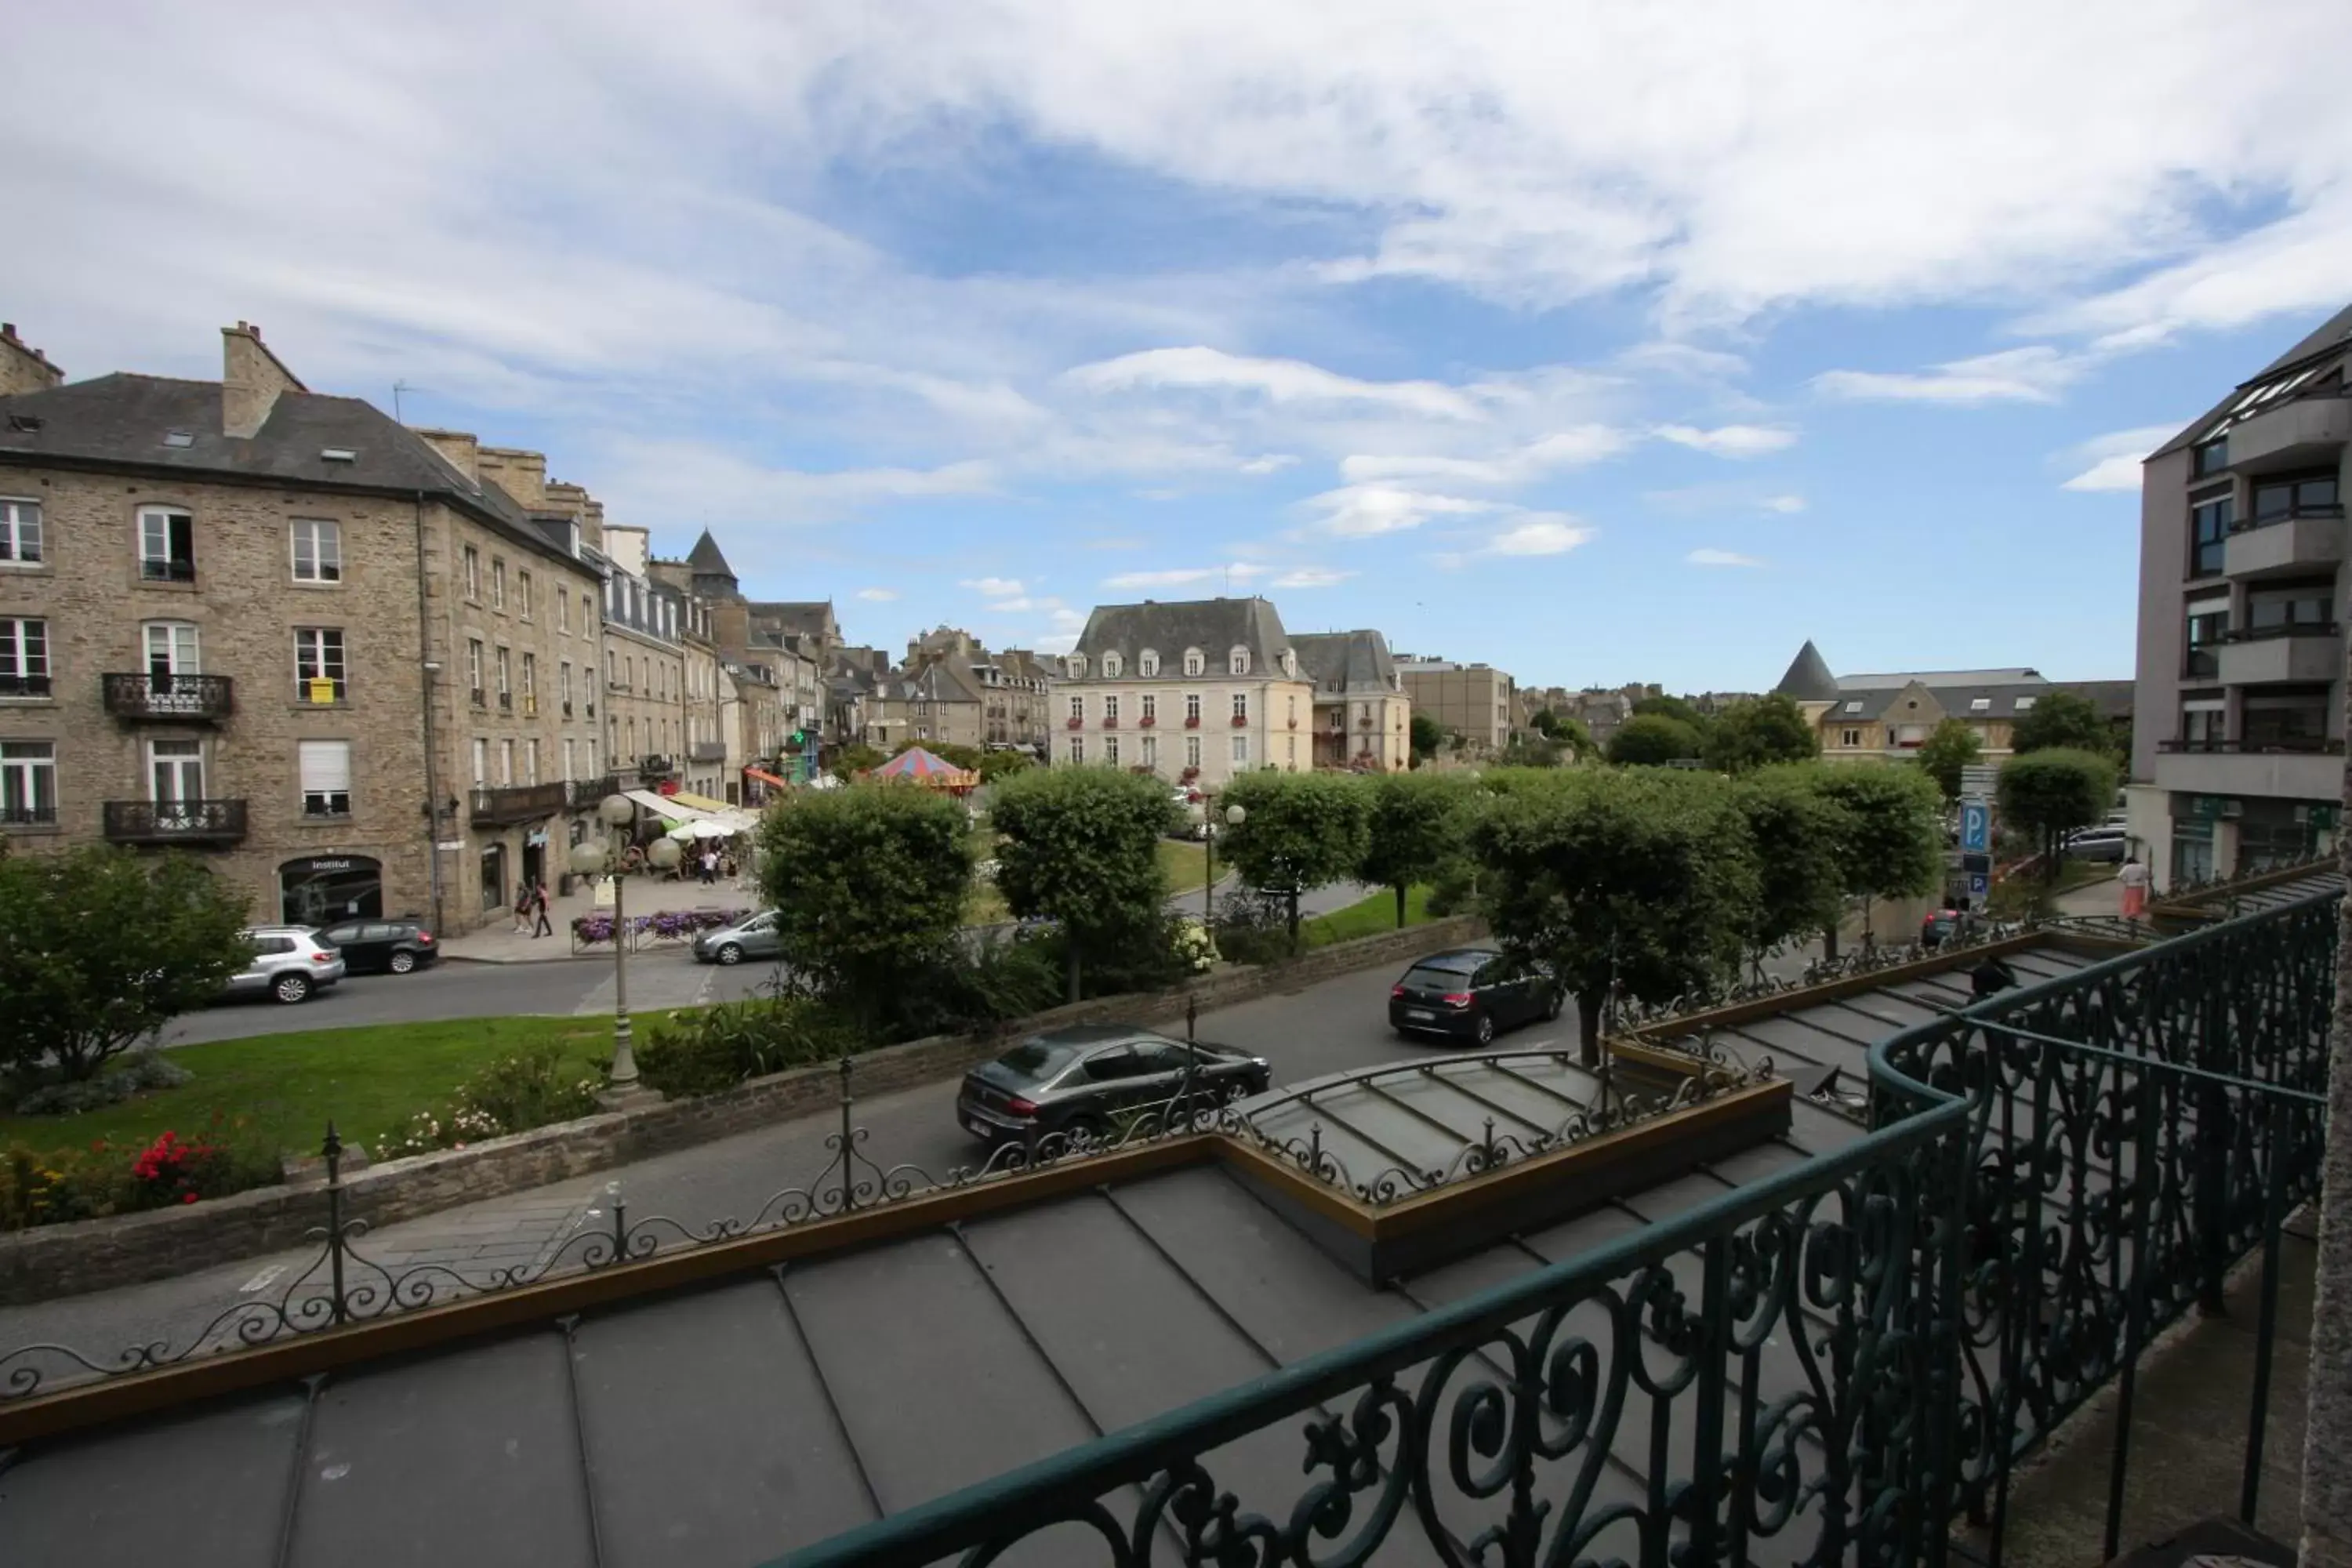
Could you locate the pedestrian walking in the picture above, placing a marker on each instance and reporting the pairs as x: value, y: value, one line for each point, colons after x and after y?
x: 709, y: 868
x: 2134, y: 876
x: 539, y: 908
x: 523, y: 909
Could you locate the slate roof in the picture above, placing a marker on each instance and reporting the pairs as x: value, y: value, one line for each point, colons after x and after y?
x: 1809, y: 679
x: 1953, y: 692
x: 1215, y: 626
x: 1345, y: 662
x: 2332, y: 333
x: 119, y: 421
x: 707, y: 559
x: 2113, y: 699
x: 812, y: 617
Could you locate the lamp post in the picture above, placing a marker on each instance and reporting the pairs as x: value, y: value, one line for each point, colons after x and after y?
x: 588, y: 859
x: 1235, y: 817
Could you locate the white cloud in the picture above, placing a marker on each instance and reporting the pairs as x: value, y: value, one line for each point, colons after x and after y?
x: 1365, y: 511
x: 1312, y: 577
x: 993, y: 587
x: 1271, y: 463
x: 1730, y: 440
x: 1522, y: 465
x: 2034, y: 374
x: 1785, y: 505
x: 1720, y: 558
x: 878, y: 595
x: 1278, y: 381
x: 1554, y: 535
x: 2112, y: 461
x: 645, y: 479
x: 1186, y: 576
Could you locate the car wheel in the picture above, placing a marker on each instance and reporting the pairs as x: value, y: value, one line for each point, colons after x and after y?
x: 1093, y: 1129
x: 1552, y: 1005
x: 401, y: 963
x: 1485, y: 1029
x: 291, y: 988
x: 730, y: 953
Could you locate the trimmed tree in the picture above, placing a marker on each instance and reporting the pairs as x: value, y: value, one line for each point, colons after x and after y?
x: 1081, y: 845
x: 868, y: 884
x: 1002, y: 763
x: 2059, y: 721
x: 1748, y: 735
x: 1414, y: 826
x: 1950, y: 747
x: 1643, y: 880
x: 100, y: 948
x: 1428, y: 735
x: 1299, y: 831
x: 1795, y: 829
x: 2051, y: 792
x: 1891, y: 845
x: 851, y: 760
x: 1653, y: 738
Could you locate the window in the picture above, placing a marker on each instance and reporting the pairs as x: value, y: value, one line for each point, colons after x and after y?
x: 1292, y: 742
x: 1849, y: 737
x: 2314, y: 495
x: 506, y: 676
x: 171, y: 650
x: 563, y: 612
x: 1338, y: 719
x: 506, y: 762
x: 1853, y: 707
x: 28, y: 783
x: 1112, y: 665
x: 1196, y: 661
x: 1293, y: 710
x: 2208, y: 532
x: 1110, y: 750
x: 1241, y: 751
x: 318, y: 548
x: 530, y: 685
x: 1980, y: 704
x: 481, y: 763
x: 2203, y: 723
x: 530, y: 762
x: 591, y: 745
x: 2284, y: 719
x: 1077, y: 750
x: 1237, y: 661
x: 1151, y: 751
x: 1110, y: 710
x: 1147, y: 663
x: 1151, y: 708
x: 175, y: 772
x: 473, y: 573
x: 1078, y: 709
x: 2208, y: 624
x: 1078, y: 667
x: 1192, y: 753
x: 587, y: 613
x: 498, y: 585
x: 325, y: 771
x: 2024, y: 704
x: 474, y: 668
x: 564, y: 682
x: 2274, y: 610
x: 1241, y: 707
x: 522, y: 594
x: 24, y: 657
x: 318, y: 664
x: 20, y: 532
x: 2210, y: 457
x: 167, y: 544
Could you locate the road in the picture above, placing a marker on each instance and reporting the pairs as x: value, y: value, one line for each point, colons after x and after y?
x: 1333, y: 1026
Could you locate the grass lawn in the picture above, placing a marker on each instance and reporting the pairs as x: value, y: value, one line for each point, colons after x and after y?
x: 1181, y: 862
x: 1366, y: 917
x: 370, y: 1080
x: 1178, y: 862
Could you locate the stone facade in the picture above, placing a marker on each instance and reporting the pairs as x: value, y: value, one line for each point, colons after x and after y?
x: 1197, y: 692
x: 1363, y: 720
x: 1475, y: 701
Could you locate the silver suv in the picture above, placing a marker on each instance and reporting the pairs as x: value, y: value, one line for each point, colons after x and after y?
x: 289, y: 962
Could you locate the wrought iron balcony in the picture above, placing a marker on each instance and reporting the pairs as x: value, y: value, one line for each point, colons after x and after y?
x: 655, y: 767
x: 191, y: 822
x: 175, y: 699
x: 586, y: 794
x: 2289, y: 745
x: 42, y: 814
x: 520, y: 802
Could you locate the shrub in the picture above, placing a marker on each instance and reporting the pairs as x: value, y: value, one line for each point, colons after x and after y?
x: 1253, y: 928
x: 720, y: 1047
x: 59, y: 1186
x: 117, y: 1081
x: 521, y: 1091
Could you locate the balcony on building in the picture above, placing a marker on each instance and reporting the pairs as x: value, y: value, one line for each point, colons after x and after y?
x: 708, y: 751
x: 655, y: 767
x: 518, y: 803
x: 2301, y: 433
x: 586, y: 794
x: 184, y: 822
x: 169, y: 698
x: 2280, y: 653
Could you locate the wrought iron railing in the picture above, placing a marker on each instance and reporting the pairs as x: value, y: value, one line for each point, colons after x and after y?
x: 518, y: 803
x: 174, y: 821
x: 156, y: 695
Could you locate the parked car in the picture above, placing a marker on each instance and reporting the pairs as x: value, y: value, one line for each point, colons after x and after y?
x: 753, y: 937
x: 1473, y: 992
x: 382, y: 947
x: 289, y: 964
x: 1939, y: 927
x: 2095, y: 844
x: 1082, y: 1079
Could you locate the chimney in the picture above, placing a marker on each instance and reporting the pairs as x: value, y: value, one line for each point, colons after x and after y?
x: 251, y: 380
x: 24, y: 368
x: 523, y: 475
x: 463, y: 451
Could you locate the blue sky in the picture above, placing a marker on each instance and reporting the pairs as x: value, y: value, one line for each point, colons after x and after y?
x: 1599, y: 342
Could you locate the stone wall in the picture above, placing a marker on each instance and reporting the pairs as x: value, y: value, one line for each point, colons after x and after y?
x: 95, y: 1255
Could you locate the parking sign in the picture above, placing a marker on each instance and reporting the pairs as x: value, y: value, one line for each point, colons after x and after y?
x: 1976, y: 828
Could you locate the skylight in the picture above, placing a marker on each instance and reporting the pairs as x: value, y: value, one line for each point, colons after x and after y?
x: 178, y: 439
x: 1853, y: 707
x: 339, y: 454
x: 2023, y: 703
x: 1982, y: 704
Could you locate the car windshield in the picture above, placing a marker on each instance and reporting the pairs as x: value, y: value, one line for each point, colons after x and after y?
x: 1037, y: 1057
x: 1443, y: 977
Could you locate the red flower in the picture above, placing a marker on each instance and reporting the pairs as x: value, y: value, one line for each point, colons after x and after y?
x: 187, y: 1197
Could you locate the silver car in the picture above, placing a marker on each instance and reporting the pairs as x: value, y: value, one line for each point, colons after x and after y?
x: 289, y: 964
x: 753, y: 938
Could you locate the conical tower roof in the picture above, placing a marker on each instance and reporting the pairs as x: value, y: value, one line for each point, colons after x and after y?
x: 707, y: 559
x: 1809, y: 679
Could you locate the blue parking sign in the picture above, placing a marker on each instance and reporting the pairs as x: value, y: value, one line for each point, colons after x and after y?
x: 1976, y: 828
x: 1978, y: 884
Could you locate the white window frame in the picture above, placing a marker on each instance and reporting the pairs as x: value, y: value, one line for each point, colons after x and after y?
x: 1151, y: 714
x: 1242, y: 750
x: 1078, y: 750
x: 165, y: 516
x: 481, y: 763
x: 498, y: 583
x: 31, y: 777
x: 329, y: 802
x: 1192, y: 753
x: 174, y: 642
x: 19, y: 663
x: 1112, y: 665
x: 1151, y: 750
x: 17, y: 527
x: 324, y: 536
x: 1193, y: 707
x: 471, y: 559
x: 1238, y: 660
x: 1196, y: 663
x: 181, y: 751
x: 1111, y: 709
x: 523, y: 593
x: 505, y: 761
x: 1147, y: 663
x: 1078, y: 708
x: 1110, y: 750
x: 562, y: 610
x: 1241, y: 706
x: 475, y: 689
x: 310, y: 661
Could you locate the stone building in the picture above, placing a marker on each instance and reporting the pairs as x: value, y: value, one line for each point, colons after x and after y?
x: 1363, y: 719
x: 1196, y: 692
x: 645, y: 664
x: 1883, y: 717
x: 275, y: 628
x: 1475, y: 701
x: 1020, y: 687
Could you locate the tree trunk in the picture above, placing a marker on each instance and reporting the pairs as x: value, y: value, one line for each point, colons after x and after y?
x: 1588, y: 1024
x: 1293, y: 922
x: 1070, y: 947
x: 1400, y: 893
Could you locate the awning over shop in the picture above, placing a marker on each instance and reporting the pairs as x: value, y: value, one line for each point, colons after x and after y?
x: 701, y: 802
x: 667, y: 805
x: 765, y: 777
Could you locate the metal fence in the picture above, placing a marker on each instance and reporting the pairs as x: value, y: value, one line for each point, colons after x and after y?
x: 1833, y: 1364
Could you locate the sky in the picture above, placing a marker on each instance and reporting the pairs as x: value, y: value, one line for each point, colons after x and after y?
x: 1600, y: 342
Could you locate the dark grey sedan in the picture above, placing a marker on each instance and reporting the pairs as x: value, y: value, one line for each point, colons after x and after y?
x: 1472, y: 993
x: 1085, y: 1079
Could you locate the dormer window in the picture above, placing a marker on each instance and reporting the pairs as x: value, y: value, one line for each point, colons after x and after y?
x: 1980, y: 704
x: 1147, y: 664
x: 1237, y: 661
x: 1196, y: 661
x: 1853, y: 707
x: 1290, y: 664
x: 1078, y: 667
x: 2025, y: 704
x: 1112, y: 665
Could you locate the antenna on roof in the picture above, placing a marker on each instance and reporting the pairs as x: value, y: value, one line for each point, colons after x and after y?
x: 397, y: 388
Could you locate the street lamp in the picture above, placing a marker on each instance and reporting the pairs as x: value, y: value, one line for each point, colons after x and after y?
x: 1235, y: 817
x: 589, y: 859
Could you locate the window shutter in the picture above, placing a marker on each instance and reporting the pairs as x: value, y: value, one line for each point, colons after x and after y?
x: 326, y: 767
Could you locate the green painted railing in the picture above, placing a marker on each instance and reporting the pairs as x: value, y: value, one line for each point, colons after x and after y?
x: 1831, y: 1365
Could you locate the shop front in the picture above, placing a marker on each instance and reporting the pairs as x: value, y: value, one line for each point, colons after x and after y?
x: 321, y: 889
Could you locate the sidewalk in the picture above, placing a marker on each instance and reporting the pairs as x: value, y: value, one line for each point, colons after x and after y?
x: 499, y: 943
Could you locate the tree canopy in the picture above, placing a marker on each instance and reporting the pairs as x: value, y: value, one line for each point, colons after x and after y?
x: 2049, y: 794
x: 1649, y: 739
x: 999, y: 763
x: 1951, y: 746
x: 1891, y: 842
x: 1428, y: 735
x: 1756, y: 733
x: 100, y: 947
x: 851, y: 760
x: 2061, y: 720
x: 1681, y: 710
x: 1081, y: 845
x: 1415, y: 825
x: 1796, y: 828
x: 1299, y: 831
x: 869, y: 885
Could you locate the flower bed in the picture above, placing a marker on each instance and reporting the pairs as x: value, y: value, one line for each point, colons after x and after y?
x: 662, y: 927
x: 49, y: 1188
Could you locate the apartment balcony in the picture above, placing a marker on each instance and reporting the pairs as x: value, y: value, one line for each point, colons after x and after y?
x: 655, y: 767
x: 170, y: 699
x: 2301, y: 433
x: 2277, y: 770
x: 587, y: 794
x: 518, y: 803
x: 2271, y: 655
x: 161, y: 824
x: 708, y: 751
x: 2291, y: 546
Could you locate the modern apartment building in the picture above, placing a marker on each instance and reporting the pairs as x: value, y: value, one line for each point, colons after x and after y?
x: 1197, y: 691
x: 276, y: 628
x: 2238, y: 743
x: 1475, y: 701
x: 1363, y: 720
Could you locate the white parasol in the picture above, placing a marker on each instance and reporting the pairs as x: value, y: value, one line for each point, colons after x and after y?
x: 708, y: 828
